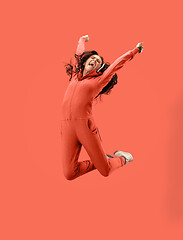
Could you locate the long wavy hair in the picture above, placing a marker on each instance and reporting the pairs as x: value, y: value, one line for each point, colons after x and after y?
x: 71, y: 69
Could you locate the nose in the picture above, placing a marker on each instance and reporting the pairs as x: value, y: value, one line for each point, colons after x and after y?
x: 95, y: 60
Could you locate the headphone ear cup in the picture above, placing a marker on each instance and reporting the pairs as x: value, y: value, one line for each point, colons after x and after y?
x: 100, y: 69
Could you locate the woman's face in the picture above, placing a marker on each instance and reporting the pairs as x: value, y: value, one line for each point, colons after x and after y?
x: 93, y: 62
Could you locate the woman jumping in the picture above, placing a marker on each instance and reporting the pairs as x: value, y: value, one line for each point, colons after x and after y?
x: 89, y: 78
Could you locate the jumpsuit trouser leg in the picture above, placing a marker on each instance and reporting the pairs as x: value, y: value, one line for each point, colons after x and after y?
x: 70, y: 150
x: 78, y: 132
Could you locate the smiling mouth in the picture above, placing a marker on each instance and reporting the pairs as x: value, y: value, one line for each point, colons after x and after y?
x: 92, y: 64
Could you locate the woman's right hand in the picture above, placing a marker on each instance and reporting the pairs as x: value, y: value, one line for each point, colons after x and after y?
x: 86, y: 38
x: 140, y: 47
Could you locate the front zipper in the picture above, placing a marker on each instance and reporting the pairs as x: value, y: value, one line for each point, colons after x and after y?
x: 72, y: 97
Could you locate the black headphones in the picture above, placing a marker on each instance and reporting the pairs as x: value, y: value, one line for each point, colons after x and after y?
x: 103, y: 65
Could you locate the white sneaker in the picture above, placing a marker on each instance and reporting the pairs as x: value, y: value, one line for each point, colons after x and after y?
x: 127, y: 156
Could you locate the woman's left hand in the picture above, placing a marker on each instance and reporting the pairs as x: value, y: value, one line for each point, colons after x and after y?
x: 86, y: 38
x: 140, y: 47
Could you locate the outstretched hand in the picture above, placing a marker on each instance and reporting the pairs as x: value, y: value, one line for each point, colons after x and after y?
x: 140, y: 47
x: 86, y: 38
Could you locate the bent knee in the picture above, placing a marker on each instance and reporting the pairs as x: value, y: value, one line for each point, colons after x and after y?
x: 105, y: 173
x: 69, y: 175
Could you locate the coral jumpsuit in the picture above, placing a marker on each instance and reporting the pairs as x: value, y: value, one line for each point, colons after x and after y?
x: 77, y: 124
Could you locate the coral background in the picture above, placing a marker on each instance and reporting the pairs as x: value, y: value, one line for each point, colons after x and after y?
x: 142, y: 115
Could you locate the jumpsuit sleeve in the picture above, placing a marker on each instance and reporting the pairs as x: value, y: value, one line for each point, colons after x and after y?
x: 116, y: 65
x: 81, y: 46
x: 79, y: 50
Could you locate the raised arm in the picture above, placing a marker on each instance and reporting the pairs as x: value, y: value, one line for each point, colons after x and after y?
x: 81, y: 44
x: 80, y: 49
x: 116, y: 65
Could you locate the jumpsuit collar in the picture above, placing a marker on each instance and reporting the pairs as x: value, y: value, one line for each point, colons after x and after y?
x: 90, y: 74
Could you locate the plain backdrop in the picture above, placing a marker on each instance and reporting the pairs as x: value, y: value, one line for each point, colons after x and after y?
x: 142, y: 115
